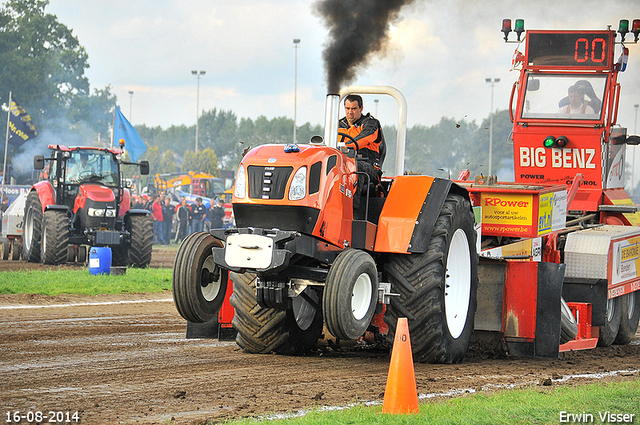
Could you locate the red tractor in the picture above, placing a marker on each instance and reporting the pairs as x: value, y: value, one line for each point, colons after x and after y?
x: 84, y: 201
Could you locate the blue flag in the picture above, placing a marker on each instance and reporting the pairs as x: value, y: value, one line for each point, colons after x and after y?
x: 125, y: 131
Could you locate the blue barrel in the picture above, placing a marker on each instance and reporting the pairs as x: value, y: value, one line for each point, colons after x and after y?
x: 100, y: 260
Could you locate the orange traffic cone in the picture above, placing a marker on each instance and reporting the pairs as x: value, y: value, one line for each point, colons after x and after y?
x: 401, y: 394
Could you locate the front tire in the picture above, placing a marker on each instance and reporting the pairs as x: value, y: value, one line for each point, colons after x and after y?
x: 438, y: 288
x: 261, y: 330
x: 141, y: 229
x: 55, y: 237
x: 197, y: 294
x: 350, y: 294
x: 32, y: 231
x: 630, y: 316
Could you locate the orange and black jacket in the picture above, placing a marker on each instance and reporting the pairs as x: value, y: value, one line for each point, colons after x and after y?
x: 368, y: 135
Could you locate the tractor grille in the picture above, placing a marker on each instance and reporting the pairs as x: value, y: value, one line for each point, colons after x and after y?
x: 268, y: 182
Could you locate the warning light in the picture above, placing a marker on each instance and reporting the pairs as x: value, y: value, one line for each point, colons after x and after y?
x: 635, y: 29
x: 553, y: 142
x: 519, y: 28
x: 121, y: 141
x: 506, y: 28
x: 623, y: 28
x: 561, y: 142
x: 549, y: 141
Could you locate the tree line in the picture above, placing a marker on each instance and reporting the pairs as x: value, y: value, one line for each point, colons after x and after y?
x: 44, y: 65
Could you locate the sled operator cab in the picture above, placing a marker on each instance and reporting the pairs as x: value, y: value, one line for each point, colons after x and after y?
x: 565, y: 117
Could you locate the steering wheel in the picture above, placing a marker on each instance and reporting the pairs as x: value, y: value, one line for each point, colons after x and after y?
x: 351, y: 140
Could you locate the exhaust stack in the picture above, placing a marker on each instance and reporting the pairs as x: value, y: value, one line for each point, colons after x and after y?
x: 331, y: 111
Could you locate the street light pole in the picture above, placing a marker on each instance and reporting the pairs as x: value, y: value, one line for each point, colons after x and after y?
x: 296, y: 42
x: 492, y: 82
x: 376, y: 102
x: 633, y: 165
x: 130, y: 105
x: 197, y: 74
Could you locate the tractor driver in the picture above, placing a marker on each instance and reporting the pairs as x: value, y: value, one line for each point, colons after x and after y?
x: 367, y: 133
x: 80, y: 168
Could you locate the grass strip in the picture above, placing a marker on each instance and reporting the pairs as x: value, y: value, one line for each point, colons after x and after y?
x: 592, y: 403
x: 58, y: 281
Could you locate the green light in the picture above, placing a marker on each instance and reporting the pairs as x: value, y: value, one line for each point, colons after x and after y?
x: 623, y: 27
x: 520, y: 25
x: 549, y: 141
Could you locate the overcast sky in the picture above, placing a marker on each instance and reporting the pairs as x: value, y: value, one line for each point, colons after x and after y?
x: 440, y: 54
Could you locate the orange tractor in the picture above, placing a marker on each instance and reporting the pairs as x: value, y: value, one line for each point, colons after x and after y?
x: 508, y: 263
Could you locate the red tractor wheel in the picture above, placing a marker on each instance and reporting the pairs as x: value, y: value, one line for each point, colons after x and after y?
x: 141, y: 229
x: 55, y: 237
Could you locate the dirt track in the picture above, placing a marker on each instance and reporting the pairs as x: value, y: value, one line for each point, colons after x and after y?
x: 125, y: 359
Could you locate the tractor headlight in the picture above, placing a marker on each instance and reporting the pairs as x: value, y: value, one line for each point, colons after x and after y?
x: 298, y: 188
x: 95, y: 212
x: 101, y: 212
x: 240, y: 190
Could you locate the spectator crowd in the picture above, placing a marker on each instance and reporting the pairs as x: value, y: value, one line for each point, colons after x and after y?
x: 188, y: 218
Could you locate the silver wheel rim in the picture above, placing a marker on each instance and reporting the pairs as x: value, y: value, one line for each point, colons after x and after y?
x: 361, y: 296
x: 211, y: 291
x: 457, y: 283
x: 28, y: 229
x: 303, y: 311
x: 610, y: 310
x: 631, y: 305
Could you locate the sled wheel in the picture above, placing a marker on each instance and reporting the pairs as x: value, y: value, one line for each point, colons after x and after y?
x: 32, y: 231
x: 609, y: 331
x: 6, y: 248
x: 16, y: 249
x: 438, y: 287
x: 630, y: 315
x: 141, y: 229
x: 350, y: 294
x: 268, y: 330
x: 71, y: 254
x: 197, y: 294
x: 55, y: 237
x: 568, y: 324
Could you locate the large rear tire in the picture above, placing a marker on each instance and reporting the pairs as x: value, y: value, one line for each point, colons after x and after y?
x: 141, y: 229
x: 197, y: 294
x: 609, y: 331
x: 350, y: 294
x: 438, y: 288
x: 630, y: 316
x: 267, y: 330
x: 55, y: 237
x: 32, y: 230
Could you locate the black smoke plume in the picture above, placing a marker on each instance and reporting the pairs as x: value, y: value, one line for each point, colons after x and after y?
x: 357, y: 30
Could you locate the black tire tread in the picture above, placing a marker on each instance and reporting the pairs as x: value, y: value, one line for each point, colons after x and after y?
x: 141, y: 240
x: 31, y: 249
x: 266, y: 330
x: 187, y: 269
x: 56, y: 227
x: 419, y: 279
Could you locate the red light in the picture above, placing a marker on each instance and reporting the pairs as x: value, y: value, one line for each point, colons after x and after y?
x: 635, y: 29
x: 561, y: 142
x: 506, y: 28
